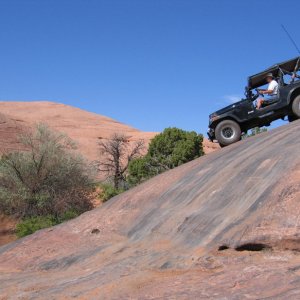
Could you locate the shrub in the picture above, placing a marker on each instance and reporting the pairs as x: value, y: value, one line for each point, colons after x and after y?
x: 32, y: 224
x: 256, y: 131
x: 167, y: 150
x: 49, y: 178
x: 68, y: 215
x: 116, y: 154
x: 174, y: 147
x: 108, y: 191
x: 139, y: 170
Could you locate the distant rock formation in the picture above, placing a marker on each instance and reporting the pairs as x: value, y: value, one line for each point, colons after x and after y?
x: 84, y: 127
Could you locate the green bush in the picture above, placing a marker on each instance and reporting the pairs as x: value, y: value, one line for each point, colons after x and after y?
x: 139, y: 170
x: 167, y: 150
x: 49, y: 178
x: 174, y: 147
x: 108, y: 191
x: 32, y: 224
x: 68, y: 215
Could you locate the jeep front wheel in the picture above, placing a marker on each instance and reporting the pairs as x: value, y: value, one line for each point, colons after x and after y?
x: 292, y: 118
x: 296, y: 106
x: 228, y: 132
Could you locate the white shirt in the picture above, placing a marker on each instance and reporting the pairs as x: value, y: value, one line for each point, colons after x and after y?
x: 273, y: 86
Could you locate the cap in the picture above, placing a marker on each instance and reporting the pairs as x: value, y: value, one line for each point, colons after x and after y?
x: 269, y: 75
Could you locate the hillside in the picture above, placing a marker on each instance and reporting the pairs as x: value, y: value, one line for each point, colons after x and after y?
x: 225, y: 226
x: 9, y: 131
x: 84, y: 127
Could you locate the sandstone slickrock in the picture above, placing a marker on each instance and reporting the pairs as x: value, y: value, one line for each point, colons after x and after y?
x: 225, y: 226
x: 7, y: 227
x: 10, y: 128
x: 84, y: 127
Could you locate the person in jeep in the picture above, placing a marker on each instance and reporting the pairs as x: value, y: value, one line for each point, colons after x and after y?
x: 228, y: 124
x: 271, y: 91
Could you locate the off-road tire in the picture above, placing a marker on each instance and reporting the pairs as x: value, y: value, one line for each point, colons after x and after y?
x: 296, y: 107
x: 228, y: 132
x: 292, y: 118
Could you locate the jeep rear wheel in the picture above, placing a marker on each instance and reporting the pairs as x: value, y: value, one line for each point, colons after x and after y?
x: 228, y: 132
x: 296, y: 107
x: 292, y: 118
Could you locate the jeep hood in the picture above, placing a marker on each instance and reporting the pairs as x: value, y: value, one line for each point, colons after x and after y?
x: 228, y: 108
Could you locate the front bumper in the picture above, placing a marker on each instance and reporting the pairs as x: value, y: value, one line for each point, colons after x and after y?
x: 211, y: 134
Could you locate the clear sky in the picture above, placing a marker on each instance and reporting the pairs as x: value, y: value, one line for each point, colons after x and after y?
x: 148, y: 63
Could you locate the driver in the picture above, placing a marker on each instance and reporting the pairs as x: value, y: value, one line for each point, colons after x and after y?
x: 271, y: 91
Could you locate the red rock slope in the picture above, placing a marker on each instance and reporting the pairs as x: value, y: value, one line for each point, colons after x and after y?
x: 84, y: 127
x: 224, y: 226
x: 10, y: 128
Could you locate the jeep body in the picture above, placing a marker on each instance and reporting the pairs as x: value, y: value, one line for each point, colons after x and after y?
x: 241, y: 116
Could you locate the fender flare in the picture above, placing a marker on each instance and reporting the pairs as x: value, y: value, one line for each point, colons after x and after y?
x: 225, y: 117
x: 293, y: 94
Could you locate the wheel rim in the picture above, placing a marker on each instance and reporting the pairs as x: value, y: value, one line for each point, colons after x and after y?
x: 227, y: 132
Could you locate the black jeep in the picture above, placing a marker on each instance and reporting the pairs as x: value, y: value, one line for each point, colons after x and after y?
x: 228, y: 124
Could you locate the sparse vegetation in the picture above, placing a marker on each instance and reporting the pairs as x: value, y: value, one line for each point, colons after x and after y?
x: 32, y: 224
x: 167, y: 150
x: 126, y: 167
x: 255, y: 131
x: 45, y: 182
x: 49, y: 183
x: 108, y: 191
x: 140, y: 170
x: 116, y: 154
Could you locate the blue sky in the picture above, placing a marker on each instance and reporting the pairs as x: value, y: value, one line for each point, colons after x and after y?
x: 151, y: 64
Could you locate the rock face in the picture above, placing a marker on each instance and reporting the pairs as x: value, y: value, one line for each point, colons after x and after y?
x: 10, y: 128
x: 210, y: 147
x: 83, y: 127
x: 225, y: 226
x: 7, y: 226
